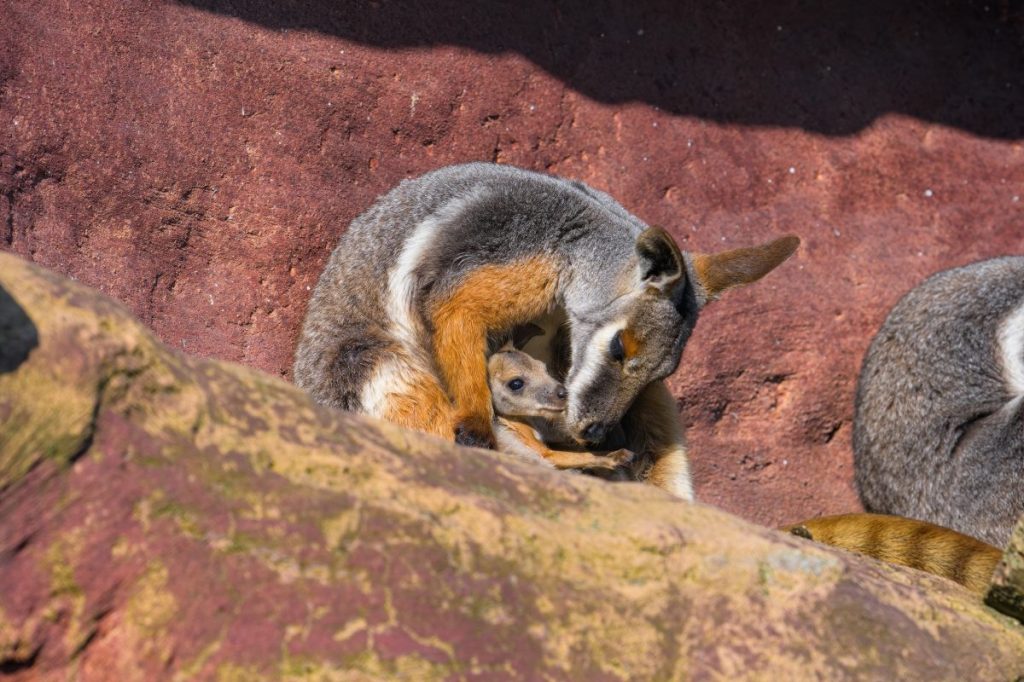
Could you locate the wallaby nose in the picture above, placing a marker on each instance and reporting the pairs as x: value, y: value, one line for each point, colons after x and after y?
x: 595, y: 431
x: 554, y: 398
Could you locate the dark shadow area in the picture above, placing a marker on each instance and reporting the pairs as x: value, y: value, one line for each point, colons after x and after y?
x: 827, y: 67
x: 18, y: 334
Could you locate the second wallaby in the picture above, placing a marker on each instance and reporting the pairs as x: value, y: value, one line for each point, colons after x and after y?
x: 938, y: 429
x: 908, y: 542
x: 529, y: 409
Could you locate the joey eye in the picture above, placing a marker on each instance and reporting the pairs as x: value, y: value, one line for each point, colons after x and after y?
x: 616, y: 348
x: 516, y: 384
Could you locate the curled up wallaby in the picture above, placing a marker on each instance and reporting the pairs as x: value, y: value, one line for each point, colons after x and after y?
x: 938, y: 429
x: 398, y: 324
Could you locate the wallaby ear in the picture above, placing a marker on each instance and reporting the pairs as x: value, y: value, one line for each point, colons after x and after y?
x: 661, y: 263
x: 720, y: 271
x: 522, y: 334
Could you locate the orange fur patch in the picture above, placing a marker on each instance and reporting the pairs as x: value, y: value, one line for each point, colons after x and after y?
x: 630, y: 343
x: 909, y: 542
x: 425, y: 407
x: 653, y: 429
x: 489, y: 298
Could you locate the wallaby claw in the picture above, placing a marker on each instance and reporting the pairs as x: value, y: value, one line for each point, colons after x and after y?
x: 474, y: 435
x: 611, y: 460
x: 621, y: 456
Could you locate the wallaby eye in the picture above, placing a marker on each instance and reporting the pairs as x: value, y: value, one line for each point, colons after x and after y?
x: 616, y: 348
x: 516, y: 384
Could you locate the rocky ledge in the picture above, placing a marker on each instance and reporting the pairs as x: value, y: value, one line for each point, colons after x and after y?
x: 169, y: 517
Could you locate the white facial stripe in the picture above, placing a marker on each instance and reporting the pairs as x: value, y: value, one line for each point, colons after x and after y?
x: 1011, y: 346
x: 595, y: 357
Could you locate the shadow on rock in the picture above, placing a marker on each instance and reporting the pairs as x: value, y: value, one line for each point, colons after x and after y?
x: 18, y: 334
x: 830, y: 68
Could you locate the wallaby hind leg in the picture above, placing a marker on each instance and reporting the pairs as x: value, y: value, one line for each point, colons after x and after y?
x: 567, y: 459
x: 652, y: 428
x: 420, y: 403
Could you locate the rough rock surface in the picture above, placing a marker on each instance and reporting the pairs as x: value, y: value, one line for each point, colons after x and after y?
x: 166, y: 517
x: 198, y: 161
x: 1007, y: 590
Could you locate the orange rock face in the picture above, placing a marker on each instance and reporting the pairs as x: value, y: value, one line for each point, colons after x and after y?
x: 199, y: 160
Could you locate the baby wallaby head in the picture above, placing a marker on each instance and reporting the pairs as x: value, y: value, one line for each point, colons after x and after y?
x: 521, y: 386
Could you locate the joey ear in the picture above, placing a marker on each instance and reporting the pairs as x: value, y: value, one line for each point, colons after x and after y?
x: 661, y: 263
x: 720, y: 271
x: 522, y: 334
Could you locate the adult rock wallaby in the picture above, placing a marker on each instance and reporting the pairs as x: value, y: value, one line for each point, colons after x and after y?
x: 397, y: 327
x: 939, y: 423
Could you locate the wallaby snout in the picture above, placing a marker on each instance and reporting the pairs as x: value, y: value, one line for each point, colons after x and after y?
x: 594, y: 432
x: 553, y: 398
x: 557, y: 398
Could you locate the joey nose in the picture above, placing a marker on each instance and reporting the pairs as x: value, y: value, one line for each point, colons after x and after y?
x: 594, y: 432
x: 556, y: 398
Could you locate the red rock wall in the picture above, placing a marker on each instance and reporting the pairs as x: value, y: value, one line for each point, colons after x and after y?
x: 198, y: 161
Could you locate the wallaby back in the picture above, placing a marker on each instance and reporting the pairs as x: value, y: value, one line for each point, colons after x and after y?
x: 938, y: 427
x: 908, y: 542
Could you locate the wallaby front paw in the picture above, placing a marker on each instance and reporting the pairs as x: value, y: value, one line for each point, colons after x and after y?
x: 621, y: 456
x: 612, y: 460
x: 475, y: 433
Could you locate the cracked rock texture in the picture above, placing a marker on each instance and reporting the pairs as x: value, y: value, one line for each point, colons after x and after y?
x: 198, y: 160
x: 169, y: 517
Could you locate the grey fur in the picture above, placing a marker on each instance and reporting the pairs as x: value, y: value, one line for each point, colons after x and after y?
x: 939, y: 429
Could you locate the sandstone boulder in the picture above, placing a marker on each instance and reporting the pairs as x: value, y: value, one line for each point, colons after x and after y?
x: 1007, y: 591
x: 169, y: 517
